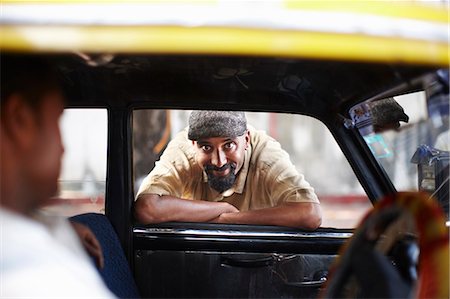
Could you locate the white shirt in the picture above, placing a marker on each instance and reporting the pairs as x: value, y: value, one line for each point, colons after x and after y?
x: 45, y: 260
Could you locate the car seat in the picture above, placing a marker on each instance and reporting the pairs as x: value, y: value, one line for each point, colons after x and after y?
x: 116, y: 272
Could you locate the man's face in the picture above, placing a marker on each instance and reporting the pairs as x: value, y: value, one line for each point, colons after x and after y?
x: 42, y: 161
x: 221, y: 158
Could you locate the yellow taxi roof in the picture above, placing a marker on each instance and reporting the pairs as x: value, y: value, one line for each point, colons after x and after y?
x: 385, y: 31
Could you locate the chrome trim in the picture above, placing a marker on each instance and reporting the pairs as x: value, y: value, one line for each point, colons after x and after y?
x: 253, y: 15
x: 236, y: 234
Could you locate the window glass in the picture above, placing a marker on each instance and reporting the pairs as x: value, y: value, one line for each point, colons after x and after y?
x: 83, y: 171
x: 311, y: 147
x: 395, y: 148
x: 415, y: 155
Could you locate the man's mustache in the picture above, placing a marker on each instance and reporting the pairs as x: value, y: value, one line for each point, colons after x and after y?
x: 215, y: 168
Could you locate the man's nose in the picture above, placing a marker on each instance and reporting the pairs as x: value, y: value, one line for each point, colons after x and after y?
x: 218, y: 158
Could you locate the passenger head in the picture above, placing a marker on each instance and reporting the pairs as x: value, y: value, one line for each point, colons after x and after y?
x: 220, y: 139
x: 31, y: 146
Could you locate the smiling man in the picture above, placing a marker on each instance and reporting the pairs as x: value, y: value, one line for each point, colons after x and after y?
x: 221, y: 170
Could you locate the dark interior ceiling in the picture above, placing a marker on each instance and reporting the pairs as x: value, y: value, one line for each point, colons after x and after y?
x: 243, y: 83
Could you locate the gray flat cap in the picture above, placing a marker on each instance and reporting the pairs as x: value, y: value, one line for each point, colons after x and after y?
x: 207, y: 124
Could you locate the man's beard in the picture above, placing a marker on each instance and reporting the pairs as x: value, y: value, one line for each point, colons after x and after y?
x: 221, y: 183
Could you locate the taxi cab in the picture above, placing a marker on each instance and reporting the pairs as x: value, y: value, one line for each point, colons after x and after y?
x: 357, y: 93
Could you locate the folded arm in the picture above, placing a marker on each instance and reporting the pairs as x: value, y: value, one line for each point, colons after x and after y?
x: 304, y: 215
x: 152, y: 208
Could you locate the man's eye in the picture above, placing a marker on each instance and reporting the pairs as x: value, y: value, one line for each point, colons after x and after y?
x: 229, y: 145
x: 206, y: 148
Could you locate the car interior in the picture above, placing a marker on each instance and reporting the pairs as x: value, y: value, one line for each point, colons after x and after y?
x: 135, y: 93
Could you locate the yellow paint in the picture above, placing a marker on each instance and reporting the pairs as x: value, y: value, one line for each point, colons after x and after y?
x: 398, y: 9
x: 226, y: 41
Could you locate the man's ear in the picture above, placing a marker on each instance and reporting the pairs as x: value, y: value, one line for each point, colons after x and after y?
x: 19, y: 121
x: 247, y: 139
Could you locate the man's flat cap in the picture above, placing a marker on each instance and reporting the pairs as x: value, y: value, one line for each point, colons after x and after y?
x: 207, y: 124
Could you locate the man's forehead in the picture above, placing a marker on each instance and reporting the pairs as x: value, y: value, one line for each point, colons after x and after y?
x: 212, y: 140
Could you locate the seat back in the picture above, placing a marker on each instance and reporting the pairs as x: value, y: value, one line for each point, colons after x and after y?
x: 116, y: 272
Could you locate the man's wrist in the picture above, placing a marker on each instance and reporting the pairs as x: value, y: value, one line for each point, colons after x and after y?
x: 228, y: 217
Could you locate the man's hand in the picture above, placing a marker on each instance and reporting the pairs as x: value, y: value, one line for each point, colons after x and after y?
x: 302, y: 215
x: 224, y: 217
x: 90, y: 242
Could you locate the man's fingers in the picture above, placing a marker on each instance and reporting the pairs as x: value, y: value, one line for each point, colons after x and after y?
x: 94, y: 249
x: 89, y: 242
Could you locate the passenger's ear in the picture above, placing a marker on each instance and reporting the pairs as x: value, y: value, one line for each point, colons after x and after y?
x: 19, y: 121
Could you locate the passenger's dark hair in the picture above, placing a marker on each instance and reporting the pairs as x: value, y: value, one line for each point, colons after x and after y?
x: 31, y: 76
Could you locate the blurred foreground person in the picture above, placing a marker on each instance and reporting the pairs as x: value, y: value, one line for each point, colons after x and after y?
x: 41, y: 256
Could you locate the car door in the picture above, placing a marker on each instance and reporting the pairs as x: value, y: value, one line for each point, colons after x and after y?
x: 206, y: 260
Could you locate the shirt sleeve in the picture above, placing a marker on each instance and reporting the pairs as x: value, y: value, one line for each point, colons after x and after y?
x: 291, y: 186
x: 284, y: 183
x: 171, y: 171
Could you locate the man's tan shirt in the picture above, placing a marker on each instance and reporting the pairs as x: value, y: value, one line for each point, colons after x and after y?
x: 266, y: 179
